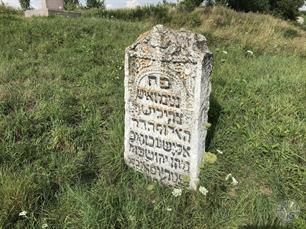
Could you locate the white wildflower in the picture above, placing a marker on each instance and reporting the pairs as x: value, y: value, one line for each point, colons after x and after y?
x: 169, y: 209
x: 225, y: 52
x: 177, y: 192
x: 234, y: 181
x: 250, y: 53
x: 228, y: 176
x: 300, y: 20
x: 23, y: 213
x: 44, y: 225
x: 203, y: 190
x: 219, y: 151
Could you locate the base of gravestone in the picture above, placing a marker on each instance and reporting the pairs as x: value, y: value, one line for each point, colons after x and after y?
x: 47, y: 12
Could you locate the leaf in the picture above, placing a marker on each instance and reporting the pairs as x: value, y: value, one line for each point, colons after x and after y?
x: 150, y: 187
x: 275, y: 146
x: 186, y: 179
x: 207, y: 125
x: 210, y: 158
x: 202, y: 165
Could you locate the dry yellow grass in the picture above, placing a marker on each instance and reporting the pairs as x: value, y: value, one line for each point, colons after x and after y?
x: 261, y: 32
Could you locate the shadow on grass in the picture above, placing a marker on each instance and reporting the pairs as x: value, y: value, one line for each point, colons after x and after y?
x: 213, y: 117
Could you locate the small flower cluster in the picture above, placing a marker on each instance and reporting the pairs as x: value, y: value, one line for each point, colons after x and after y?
x: 203, y: 190
x: 234, y: 181
x: 300, y: 20
x: 250, y: 53
x: 23, y: 214
x: 177, y: 192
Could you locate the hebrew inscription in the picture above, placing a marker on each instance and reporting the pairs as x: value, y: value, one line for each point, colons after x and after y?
x: 167, y: 89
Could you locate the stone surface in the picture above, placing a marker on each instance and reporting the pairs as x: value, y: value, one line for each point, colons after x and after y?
x: 53, y: 4
x: 50, y: 8
x: 167, y: 88
x: 46, y: 13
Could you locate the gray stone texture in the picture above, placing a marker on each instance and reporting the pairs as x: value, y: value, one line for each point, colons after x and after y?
x: 51, y: 8
x: 53, y: 4
x: 167, y: 88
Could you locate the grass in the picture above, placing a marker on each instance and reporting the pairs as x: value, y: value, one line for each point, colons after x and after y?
x: 264, y: 33
x: 61, y: 128
x: 304, y: 16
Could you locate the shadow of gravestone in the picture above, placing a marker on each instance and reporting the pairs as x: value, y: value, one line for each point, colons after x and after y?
x: 213, y: 117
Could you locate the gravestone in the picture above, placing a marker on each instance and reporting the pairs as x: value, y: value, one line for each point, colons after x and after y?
x: 53, y: 4
x: 167, y: 88
x: 49, y: 8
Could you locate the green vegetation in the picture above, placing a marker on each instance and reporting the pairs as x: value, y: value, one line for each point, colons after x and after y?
x: 189, y: 5
x: 71, y: 4
x: 95, y: 3
x: 288, y: 9
x: 159, y: 13
x: 253, y: 5
x: 304, y: 16
x: 61, y: 124
x: 9, y: 10
x: 25, y: 4
x: 262, y: 33
x: 284, y: 8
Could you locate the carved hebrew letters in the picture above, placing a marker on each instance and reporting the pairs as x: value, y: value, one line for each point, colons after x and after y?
x: 158, y: 134
x: 162, y: 119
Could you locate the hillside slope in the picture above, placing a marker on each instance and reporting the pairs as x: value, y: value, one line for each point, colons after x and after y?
x: 250, y: 30
x: 61, y: 126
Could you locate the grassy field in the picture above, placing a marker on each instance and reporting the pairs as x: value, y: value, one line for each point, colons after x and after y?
x: 61, y: 126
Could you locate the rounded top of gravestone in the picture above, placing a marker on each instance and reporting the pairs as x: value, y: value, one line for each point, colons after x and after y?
x: 163, y: 43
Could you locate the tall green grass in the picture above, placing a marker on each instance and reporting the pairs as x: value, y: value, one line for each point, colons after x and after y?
x: 157, y: 13
x: 61, y: 131
x: 254, y: 31
x: 6, y: 10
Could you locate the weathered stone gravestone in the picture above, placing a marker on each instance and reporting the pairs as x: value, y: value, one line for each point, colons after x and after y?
x: 167, y: 88
x: 49, y: 8
x: 53, y: 4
